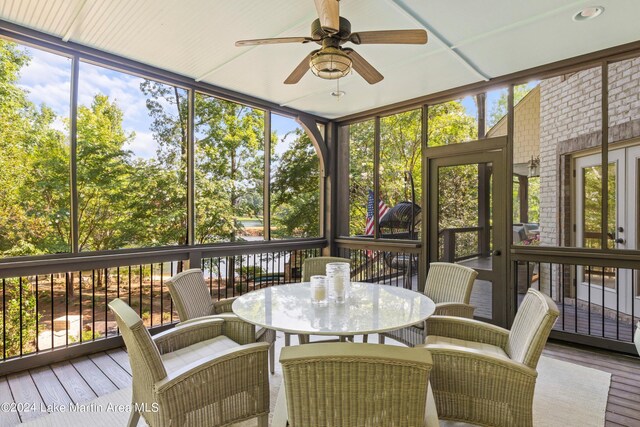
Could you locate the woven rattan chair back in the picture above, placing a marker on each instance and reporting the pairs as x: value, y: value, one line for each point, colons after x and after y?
x: 318, y: 265
x: 146, y: 365
x: 447, y: 282
x: 355, y: 385
x: 531, y: 327
x: 190, y: 294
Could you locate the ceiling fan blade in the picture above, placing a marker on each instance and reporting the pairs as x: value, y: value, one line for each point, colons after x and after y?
x: 299, y: 71
x: 362, y: 67
x: 390, y: 37
x: 277, y: 40
x: 329, y: 14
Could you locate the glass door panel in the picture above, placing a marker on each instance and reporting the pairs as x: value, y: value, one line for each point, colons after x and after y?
x: 607, y: 286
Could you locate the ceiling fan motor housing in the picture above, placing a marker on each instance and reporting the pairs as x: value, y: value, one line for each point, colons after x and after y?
x: 343, y: 34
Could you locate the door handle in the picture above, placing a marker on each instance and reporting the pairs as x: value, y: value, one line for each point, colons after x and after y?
x: 496, y: 252
x: 620, y: 240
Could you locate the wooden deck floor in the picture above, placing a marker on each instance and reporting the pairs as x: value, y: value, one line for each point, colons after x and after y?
x: 83, y: 379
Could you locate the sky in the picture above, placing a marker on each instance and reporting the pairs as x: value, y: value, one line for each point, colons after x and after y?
x: 47, y: 78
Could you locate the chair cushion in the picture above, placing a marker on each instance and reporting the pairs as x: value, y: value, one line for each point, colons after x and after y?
x: 454, y: 343
x: 187, y: 355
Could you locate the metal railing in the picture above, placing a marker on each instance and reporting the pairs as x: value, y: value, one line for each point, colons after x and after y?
x: 391, y: 263
x: 59, y: 304
x: 595, y: 293
x: 453, y: 249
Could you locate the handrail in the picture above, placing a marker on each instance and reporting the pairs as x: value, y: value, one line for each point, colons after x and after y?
x: 45, y: 264
x: 413, y: 246
x: 449, y: 237
x: 577, y: 256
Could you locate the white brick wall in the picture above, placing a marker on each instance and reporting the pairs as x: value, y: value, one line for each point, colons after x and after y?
x: 570, y: 106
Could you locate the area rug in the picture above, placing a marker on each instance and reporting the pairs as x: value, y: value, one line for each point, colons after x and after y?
x: 566, y: 395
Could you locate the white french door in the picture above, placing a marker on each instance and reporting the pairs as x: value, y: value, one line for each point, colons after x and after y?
x: 595, y: 283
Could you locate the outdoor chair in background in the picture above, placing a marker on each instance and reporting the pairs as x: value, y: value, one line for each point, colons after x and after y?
x: 355, y: 385
x: 195, y: 374
x: 484, y: 374
x: 191, y: 297
x: 312, y: 267
x: 449, y: 286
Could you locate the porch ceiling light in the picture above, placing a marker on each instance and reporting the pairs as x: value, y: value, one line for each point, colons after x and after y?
x: 330, y: 63
x: 588, y: 13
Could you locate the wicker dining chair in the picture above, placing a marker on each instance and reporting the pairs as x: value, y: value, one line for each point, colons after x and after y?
x: 195, y: 374
x: 486, y: 375
x: 312, y: 267
x: 355, y: 385
x: 449, y: 286
x: 191, y: 297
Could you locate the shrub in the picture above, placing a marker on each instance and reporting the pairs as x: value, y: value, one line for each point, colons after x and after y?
x: 29, y: 317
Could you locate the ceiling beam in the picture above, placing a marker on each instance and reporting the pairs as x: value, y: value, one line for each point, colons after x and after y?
x: 434, y: 34
x: 73, y: 25
x: 246, y: 50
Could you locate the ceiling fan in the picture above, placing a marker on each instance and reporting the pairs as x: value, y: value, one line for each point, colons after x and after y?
x: 331, y: 31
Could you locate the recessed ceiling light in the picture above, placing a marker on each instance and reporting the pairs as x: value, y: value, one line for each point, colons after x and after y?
x: 338, y: 93
x: 588, y: 13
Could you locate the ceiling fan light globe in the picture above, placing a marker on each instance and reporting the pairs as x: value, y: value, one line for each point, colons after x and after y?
x: 330, y: 63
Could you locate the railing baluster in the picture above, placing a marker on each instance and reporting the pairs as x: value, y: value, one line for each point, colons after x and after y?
x: 575, y: 293
x: 161, y: 293
x: 589, y: 304
x: 140, y: 291
x: 171, y: 299
x: 52, y: 316
x: 106, y: 301
x: 151, y: 295
x: 21, y: 310
x: 67, y: 278
x: 37, y: 321
x: 618, y: 302
x: 4, y: 319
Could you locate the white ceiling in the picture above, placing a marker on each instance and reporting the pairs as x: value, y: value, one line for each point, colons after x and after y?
x: 470, y: 41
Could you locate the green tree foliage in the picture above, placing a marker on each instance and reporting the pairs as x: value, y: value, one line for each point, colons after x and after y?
x: 499, y: 109
x: 229, y: 167
x: 401, y: 151
x: 21, y: 318
x: 361, y: 156
x: 34, y: 201
x: 295, y: 190
x: 104, y: 178
x: 592, y: 198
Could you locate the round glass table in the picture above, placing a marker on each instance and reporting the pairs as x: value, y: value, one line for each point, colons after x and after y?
x: 370, y: 308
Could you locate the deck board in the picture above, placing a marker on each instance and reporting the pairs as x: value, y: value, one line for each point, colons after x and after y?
x: 9, y: 418
x: 75, y: 385
x: 622, y: 405
x: 85, y: 378
x: 121, y: 357
x: 51, y: 390
x: 25, y: 392
x: 97, y: 380
x: 112, y: 370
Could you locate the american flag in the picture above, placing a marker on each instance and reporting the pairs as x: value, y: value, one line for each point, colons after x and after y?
x: 382, y: 210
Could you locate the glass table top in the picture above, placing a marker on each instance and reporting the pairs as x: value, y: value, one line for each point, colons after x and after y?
x: 370, y: 308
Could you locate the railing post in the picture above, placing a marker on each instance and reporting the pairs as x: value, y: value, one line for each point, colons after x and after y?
x: 449, y: 236
x: 195, y: 260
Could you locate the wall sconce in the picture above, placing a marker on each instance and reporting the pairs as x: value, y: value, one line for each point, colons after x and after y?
x: 534, y: 166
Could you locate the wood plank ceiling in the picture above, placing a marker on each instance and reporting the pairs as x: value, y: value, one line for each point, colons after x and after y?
x: 469, y: 41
